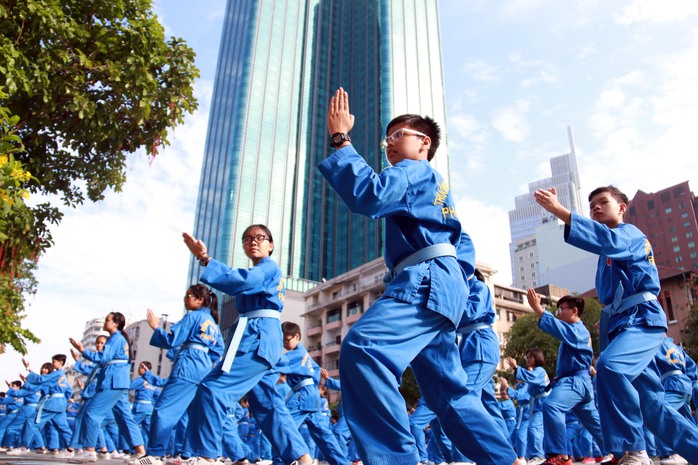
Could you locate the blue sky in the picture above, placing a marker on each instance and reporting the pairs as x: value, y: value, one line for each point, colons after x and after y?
x: 622, y: 74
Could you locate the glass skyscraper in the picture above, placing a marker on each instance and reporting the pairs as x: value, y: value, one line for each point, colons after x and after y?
x: 279, y: 63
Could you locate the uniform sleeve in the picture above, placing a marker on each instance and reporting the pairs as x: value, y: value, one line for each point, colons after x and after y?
x: 572, y: 335
x: 363, y: 190
x: 535, y: 377
x: 333, y: 384
x: 154, y: 380
x: 234, y: 281
x: 597, y: 238
x: 178, y: 334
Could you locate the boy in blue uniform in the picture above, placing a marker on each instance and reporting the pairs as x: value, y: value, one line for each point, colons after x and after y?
x: 632, y: 321
x: 143, y: 395
x: 303, y: 376
x: 572, y: 388
x: 414, y: 321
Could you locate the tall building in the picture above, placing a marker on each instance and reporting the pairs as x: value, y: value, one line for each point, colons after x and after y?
x: 528, y: 215
x: 279, y: 63
x: 668, y: 218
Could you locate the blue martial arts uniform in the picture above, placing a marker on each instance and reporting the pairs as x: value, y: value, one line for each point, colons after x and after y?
x: 629, y: 389
x: 258, y: 288
x: 12, y: 405
x: 413, y: 322
x: 143, y: 400
x: 303, y: 402
x: 111, y: 393
x: 677, y: 372
x: 26, y: 412
x: 52, y: 406
x: 508, y: 410
x: 523, y: 412
x: 572, y: 388
x: 201, y: 345
x: 536, y: 381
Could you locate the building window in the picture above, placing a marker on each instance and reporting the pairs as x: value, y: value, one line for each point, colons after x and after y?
x: 499, y: 314
x: 530, y: 255
x: 679, y: 259
x: 523, y: 278
x: 686, y: 224
x: 691, y: 245
x: 694, y: 254
x: 672, y: 228
x: 667, y: 210
x: 631, y: 211
x: 664, y: 197
x: 334, y: 315
x: 533, y: 274
x: 520, y: 258
x: 521, y: 268
x: 689, y: 234
x: 674, y: 239
x: 533, y: 265
x: 684, y: 215
x: 677, y: 248
x: 535, y: 283
x: 650, y: 204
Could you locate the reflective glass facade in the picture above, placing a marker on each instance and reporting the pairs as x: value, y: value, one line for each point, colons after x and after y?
x: 279, y: 63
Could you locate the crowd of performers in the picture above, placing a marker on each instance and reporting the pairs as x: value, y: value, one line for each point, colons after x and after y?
x: 435, y: 316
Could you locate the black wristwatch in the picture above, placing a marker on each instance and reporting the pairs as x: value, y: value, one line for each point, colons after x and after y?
x: 338, y: 138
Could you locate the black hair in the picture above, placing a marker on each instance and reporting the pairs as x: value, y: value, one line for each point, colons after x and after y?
x: 17, y: 383
x: 613, y: 191
x: 263, y: 228
x: 60, y: 357
x: 147, y: 364
x: 576, y: 302
x: 102, y: 336
x: 290, y: 329
x: 423, y: 124
x: 47, y: 366
x: 120, y: 321
x: 537, y: 355
x: 209, y: 297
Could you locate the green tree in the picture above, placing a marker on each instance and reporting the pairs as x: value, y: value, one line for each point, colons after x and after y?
x: 20, y: 236
x: 86, y: 83
x: 409, y: 388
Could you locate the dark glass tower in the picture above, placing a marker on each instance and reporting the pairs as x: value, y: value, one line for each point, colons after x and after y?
x: 278, y: 65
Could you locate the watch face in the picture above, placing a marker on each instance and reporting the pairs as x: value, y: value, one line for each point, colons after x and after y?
x: 338, y: 138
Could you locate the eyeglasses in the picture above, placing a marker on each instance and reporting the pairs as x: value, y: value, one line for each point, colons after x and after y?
x: 258, y: 239
x: 399, y: 134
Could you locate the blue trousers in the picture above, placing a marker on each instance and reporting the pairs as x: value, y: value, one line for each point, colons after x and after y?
x: 232, y: 444
x: 13, y: 434
x: 420, y: 419
x: 391, y: 335
x: 520, y: 435
x: 55, y: 419
x: 321, y: 433
x: 534, y: 439
x: 250, y: 374
x: 104, y: 401
x: 679, y: 401
x: 172, y: 403
x: 629, y: 390
x: 576, y: 394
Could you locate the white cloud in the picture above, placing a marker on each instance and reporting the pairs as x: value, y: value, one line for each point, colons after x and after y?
x: 511, y: 122
x: 654, y: 12
x: 488, y: 226
x: 480, y: 70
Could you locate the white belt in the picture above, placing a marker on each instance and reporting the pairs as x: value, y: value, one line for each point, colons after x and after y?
x: 240, y: 330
